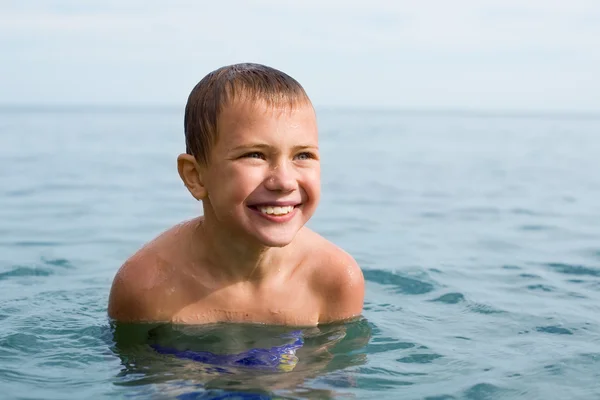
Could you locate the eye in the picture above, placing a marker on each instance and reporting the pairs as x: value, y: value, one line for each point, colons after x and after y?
x: 305, y: 156
x: 254, y: 154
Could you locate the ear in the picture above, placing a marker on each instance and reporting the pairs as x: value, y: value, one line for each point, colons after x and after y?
x: 191, y: 175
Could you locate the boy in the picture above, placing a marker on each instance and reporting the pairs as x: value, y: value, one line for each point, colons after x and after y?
x: 252, y: 159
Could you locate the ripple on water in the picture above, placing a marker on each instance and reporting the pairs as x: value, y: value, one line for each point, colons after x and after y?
x: 386, y: 344
x: 593, y: 358
x: 484, y: 309
x: 387, y: 372
x: 525, y: 211
x: 380, y: 383
x: 21, y: 271
x: 540, y: 287
x: 553, y: 369
x: 553, y: 329
x: 529, y: 276
x: 45, y: 268
x: 24, y: 342
x: 432, y: 215
x: 384, y: 307
x: 450, y: 298
x: 20, y: 192
x: 400, y: 283
x: 535, y: 227
x: 484, y: 391
x: 572, y: 269
x: 419, y: 358
x: 458, y: 298
x: 36, y: 243
x: 57, y: 262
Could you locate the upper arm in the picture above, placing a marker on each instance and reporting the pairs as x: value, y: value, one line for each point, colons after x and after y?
x: 123, y: 303
x: 342, y: 288
x: 133, y: 297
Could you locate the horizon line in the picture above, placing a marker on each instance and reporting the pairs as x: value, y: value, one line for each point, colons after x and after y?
x: 437, y: 110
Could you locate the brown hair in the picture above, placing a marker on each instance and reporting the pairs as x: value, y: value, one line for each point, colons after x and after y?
x: 217, y: 89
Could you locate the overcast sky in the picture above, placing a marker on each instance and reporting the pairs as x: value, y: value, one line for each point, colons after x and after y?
x: 509, y: 54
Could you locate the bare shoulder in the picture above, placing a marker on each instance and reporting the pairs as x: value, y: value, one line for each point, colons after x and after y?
x: 135, y: 292
x: 338, y: 280
x: 142, y: 288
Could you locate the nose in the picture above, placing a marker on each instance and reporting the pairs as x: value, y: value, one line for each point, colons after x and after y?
x: 282, y: 178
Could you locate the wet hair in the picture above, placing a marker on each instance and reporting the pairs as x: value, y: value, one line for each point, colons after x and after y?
x: 250, y: 82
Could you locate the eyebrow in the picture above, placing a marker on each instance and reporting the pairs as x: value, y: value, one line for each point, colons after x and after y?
x: 263, y: 146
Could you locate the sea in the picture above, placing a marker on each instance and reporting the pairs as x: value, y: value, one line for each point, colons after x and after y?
x: 478, y: 234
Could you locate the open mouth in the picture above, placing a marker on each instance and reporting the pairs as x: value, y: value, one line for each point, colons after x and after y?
x: 275, y: 211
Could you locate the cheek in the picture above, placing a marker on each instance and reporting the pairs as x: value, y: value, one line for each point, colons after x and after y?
x: 313, y: 182
x: 235, y: 184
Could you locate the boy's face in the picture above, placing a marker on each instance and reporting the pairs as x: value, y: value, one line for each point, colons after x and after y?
x: 263, y: 177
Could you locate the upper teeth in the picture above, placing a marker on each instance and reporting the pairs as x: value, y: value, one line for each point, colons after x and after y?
x: 276, y: 210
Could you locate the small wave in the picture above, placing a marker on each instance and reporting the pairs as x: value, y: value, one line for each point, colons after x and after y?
x: 381, y: 383
x: 543, y: 288
x: 484, y: 309
x: 422, y: 358
x: 529, y: 276
x: 536, y: 227
x: 20, y: 192
x: 24, y: 342
x: 387, y: 371
x: 553, y: 369
x: 591, y: 357
x: 571, y: 269
x: 385, y: 307
x: 432, y: 215
x: 388, y: 344
x: 483, y: 391
x: 553, y: 329
x: 401, y: 284
x: 57, y: 262
x: 478, y: 211
x: 34, y: 243
x: 25, y: 271
x: 450, y: 298
x: 526, y: 211
x: 18, y: 271
x: 576, y: 295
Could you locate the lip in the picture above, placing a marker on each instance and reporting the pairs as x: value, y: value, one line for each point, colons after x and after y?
x: 274, y: 204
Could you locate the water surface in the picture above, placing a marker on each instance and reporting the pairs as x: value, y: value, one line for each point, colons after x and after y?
x: 479, y: 237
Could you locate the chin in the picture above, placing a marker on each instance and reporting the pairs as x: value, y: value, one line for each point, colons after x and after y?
x: 277, y: 239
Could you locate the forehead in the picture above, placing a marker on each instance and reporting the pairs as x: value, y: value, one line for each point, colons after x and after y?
x: 246, y: 120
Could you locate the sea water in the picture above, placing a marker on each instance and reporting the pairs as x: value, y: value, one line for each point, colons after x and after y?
x: 478, y: 236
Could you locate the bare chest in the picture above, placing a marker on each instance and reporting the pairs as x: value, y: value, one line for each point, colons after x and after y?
x: 280, y: 306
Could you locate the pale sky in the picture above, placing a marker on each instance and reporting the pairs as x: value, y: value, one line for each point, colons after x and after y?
x: 470, y: 54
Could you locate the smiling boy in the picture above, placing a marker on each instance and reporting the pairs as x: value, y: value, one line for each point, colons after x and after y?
x: 252, y: 159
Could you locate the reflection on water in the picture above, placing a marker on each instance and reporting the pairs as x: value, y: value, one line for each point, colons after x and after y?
x: 225, y: 359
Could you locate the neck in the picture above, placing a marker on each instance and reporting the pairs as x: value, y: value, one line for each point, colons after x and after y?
x: 235, y: 258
